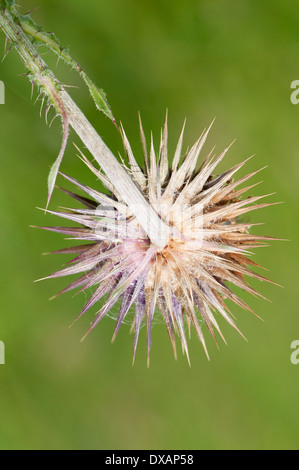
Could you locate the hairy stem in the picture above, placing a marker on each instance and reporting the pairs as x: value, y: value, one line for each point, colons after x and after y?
x: 39, y: 73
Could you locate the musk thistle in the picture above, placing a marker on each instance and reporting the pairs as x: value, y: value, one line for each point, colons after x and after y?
x: 186, y: 279
x: 166, y: 238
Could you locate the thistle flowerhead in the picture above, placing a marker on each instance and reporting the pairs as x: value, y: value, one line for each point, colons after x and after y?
x: 185, y: 282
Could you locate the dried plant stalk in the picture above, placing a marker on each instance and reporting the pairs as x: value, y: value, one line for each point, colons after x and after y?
x: 40, y: 74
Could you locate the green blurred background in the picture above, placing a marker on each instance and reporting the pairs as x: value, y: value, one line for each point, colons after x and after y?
x: 200, y: 59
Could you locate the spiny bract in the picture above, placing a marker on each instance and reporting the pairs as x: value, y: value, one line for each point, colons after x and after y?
x: 207, y: 247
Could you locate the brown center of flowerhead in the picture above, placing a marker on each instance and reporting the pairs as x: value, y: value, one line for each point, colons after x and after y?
x: 188, y: 280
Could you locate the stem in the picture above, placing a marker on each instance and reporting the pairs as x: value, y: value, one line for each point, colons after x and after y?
x: 156, y: 229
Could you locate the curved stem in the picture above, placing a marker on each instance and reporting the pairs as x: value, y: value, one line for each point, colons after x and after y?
x: 39, y: 72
